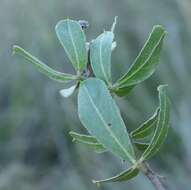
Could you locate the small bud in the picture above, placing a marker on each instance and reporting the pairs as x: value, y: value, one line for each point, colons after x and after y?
x: 84, y: 24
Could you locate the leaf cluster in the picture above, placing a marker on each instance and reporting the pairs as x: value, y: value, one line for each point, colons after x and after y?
x: 97, y: 109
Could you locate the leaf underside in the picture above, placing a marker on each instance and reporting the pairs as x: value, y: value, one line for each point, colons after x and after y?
x: 100, y: 115
x: 100, y: 56
x: 43, y: 68
x: 72, y: 38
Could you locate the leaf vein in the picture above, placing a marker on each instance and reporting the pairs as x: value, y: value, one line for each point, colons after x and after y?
x: 74, y: 46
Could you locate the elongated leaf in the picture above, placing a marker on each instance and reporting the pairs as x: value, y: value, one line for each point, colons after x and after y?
x: 162, y: 125
x: 68, y: 92
x: 89, y: 141
x: 72, y: 38
x: 84, y: 138
x: 146, y: 128
x: 46, y: 70
x: 100, y: 115
x: 124, y: 176
x: 100, y: 56
x: 146, y: 62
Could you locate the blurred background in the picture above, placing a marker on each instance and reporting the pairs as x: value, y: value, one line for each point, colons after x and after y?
x: 36, y: 152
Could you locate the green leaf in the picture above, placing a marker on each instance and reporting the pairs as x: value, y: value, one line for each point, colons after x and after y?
x: 72, y: 38
x: 100, y: 115
x: 162, y: 125
x: 100, y: 56
x: 40, y: 66
x: 141, y: 145
x: 88, y: 140
x: 123, y: 91
x: 98, y: 147
x: 124, y: 176
x: 146, y: 62
x: 146, y: 128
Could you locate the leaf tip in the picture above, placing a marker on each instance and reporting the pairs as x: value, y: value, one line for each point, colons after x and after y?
x: 162, y: 86
x: 58, y: 24
x: 15, y: 49
x: 114, y: 24
x: 160, y: 28
x: 71, y: 134
x: 96, y: 182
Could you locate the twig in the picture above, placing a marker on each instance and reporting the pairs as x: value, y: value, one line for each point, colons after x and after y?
x: 152, y: 176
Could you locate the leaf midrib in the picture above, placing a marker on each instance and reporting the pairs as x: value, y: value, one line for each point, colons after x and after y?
x: 73, y: 44
x: 100, y: 58
x: 108, y: 129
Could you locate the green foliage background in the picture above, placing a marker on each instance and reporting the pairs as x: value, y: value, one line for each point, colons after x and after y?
x: 36, y: 151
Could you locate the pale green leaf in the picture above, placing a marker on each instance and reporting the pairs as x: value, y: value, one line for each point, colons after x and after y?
x: 88, y: 140
x: 72, y: 38
x: 145, y: 63
x: 162, y: 125
x: 124, y: 176
x: 146, y: 128
x: 100, y: 56
x: 40, y: 66
x: 100, y: 115
x: 68, y: 92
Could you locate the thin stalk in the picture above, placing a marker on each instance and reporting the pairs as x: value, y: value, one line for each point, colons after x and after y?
x: 152, y: 176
